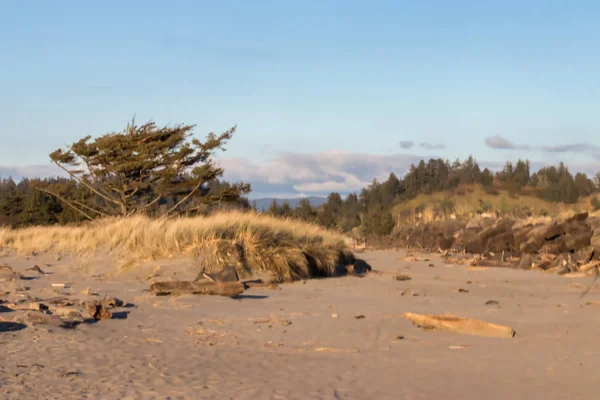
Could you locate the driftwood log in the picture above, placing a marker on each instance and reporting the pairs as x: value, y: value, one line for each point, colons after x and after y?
x: 467, y: 326
x: 229, y: 289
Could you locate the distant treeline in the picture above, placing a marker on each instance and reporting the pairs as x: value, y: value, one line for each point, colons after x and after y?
x: 371, y: 209
x: 28, y: 202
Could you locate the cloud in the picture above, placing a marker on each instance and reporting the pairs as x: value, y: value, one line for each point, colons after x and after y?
x: 432, y: 146
x: 30, y: 171
x: 407, y: 144
x: 571, y: 148
x: 317, y: 173
x: 500, y: 143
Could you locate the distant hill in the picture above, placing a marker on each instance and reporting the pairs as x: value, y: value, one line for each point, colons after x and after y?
x: 473, y: 199
x: 264, y: 203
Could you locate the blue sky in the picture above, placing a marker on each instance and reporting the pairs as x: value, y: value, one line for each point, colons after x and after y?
x: 323, y: 92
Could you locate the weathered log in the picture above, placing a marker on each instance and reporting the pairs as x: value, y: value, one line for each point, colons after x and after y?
x: 33, y: 318
x: 467, y: 326
x: 229, y: 289
x: 259, y: 283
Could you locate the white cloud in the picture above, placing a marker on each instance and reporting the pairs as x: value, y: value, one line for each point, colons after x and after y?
x: 318, y: 173
x: 30, y: 171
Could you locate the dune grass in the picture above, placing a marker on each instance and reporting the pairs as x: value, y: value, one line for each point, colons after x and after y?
x: 289, y: 249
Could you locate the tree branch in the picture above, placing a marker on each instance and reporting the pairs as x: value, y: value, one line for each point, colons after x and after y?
x: 82, y: 181
x: 186, y: 197
x: 67, y: 202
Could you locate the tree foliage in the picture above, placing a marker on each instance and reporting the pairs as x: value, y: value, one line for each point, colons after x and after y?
x: 144, y: 166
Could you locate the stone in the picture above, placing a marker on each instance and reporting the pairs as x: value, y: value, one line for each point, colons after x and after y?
x: 504, y: 242
x: 7, y: 273
x: 576, y: 216
x: 227, y: 274
x: 526, y: 261
x: 584, y: 255
x: 564, y: 263
x: 577, y: 241
x: 556, y: 246
x: 401, y: 277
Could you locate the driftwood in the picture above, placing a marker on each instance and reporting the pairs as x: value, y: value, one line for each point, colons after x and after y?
x: 452, y: 323
x: 98, y: 311
x: 259, y: 283
x: 229, y: 289
x: 38, y: 318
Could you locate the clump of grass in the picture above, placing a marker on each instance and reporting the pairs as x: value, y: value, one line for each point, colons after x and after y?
x: 289, y: 249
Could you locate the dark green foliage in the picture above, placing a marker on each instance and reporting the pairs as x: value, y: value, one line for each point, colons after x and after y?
x: 147, y: 169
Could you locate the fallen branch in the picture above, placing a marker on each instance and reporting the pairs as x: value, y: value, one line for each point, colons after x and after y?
x: 229, y: 289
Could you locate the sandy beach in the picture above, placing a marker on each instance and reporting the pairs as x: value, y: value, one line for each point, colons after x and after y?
x: 334, y: 338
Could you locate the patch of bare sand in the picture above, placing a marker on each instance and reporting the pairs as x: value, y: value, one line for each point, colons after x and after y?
x: 287, y: 344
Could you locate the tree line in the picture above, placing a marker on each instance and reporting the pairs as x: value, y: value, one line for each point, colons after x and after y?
x: 165, y: 171
x: 371, y: 208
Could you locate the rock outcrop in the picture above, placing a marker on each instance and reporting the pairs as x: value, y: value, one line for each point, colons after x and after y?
x: 560, y: 245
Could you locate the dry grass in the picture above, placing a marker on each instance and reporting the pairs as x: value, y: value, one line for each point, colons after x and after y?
x: 288, y: 249
x: 473, y: 199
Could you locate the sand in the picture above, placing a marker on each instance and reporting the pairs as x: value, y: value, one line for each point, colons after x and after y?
x: 304, y: 340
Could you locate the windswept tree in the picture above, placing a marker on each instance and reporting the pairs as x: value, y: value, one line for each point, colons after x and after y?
x: 143, y: 167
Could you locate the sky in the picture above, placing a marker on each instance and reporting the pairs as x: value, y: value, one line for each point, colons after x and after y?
x: 326, y: 95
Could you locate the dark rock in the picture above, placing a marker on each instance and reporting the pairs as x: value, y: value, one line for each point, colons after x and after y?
x: 501, y: 242
x: 562, y: 270
x: 492, y: 302
x: 553, y: 231
x: 446, y: 242
x: 526, y: 261
x: 584, y: 255
x: 521, y: 235
x: 565, y: 262
x: 577, y: 216
x: 556, y: 246
x: 227, y: 274
x: 595, y: 243
x: 501, y: 226
x: 401, y: 277
x: 576, y: 227
x: 475, y: 246
x: 577, y: 241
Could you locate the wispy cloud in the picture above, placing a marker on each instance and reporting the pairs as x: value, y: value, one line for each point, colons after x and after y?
x: 407, y: 144
x: 571, y: 148
x: 501, y: 143
x: 18, y: 172
x: 432, y: 146
x: 317, y: 173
